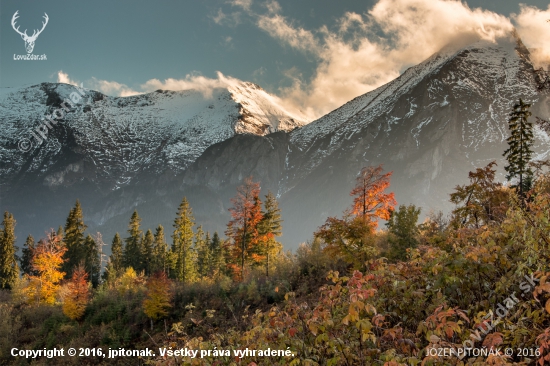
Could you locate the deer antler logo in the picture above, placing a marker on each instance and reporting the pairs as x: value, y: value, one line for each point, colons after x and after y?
x: 29, y: 41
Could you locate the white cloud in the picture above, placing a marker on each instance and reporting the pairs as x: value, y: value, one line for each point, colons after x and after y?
x: 353, y: 59
x: 362, y: 51
x: 108, y: 87
x: 63, y: 77
x: 112, y: 88
x: 230, y: 19
x: 218, y: 18
x: 201, y: 83
x: 197, y: 82
x: 228, y: 41
x: 534, y: 28
x: 299, y: 38
x: 245, y: 4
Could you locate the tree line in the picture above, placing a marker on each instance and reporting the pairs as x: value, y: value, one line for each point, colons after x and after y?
x: 193, y: 255
x: 252, y: 231
x: 61, y: 264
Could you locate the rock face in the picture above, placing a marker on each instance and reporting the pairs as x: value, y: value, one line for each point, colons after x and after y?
x: 430, y: 126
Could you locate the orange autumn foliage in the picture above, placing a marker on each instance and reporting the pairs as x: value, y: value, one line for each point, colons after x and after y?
x: 352, y: 236
x: 78, y: 295
x: 246, y: 214
x: 371, y: 202
x: 158, y: 296
x: 47, y: 259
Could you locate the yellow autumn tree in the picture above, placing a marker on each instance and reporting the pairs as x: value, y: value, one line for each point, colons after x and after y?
x: 47, y: 258
x: 78, y: 295
x: 130, y: 281
x: 159, y: 294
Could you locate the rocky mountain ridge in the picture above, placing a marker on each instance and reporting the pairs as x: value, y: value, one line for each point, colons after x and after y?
x: 433, y: 124
x: 123, y: 137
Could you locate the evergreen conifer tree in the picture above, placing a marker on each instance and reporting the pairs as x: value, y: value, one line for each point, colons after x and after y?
x: 217, y: 258
x: 160, y: 248
x: 92, y: 260
x: 9, y: 270
x: 270, y: 228
x: 519, y: 151
x: 74, y: 240
x: 26, y: 258
x: 116, y: 258
x: 132, y: 250
x: 182, y: 247
x: 207, y: 241
x: 203, y: 252
x: 147, y: 248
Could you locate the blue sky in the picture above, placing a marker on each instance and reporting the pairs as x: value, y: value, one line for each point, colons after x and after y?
x: 283, y: 46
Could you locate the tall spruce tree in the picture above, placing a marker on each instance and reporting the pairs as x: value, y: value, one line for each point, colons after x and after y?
x: 208, y: 240
x: 74, y: 240
x: 132, y: 249
x: 270, y: 227
x: 9, y: 270
x: 185, y: 256
x: 92, y: 260
x: 115, y: 266
x: 160, y: 248
x: 147, y: 248
x: 217, y: 257
x: 117, y: 258
x: 26, y: 258
x: 203, y: 252
x: 519, y: 151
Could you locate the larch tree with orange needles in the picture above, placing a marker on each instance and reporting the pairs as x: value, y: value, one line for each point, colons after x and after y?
x: 47, y: 260
x: 243, y: 229
x: 371, y: 201
x: 74, y: 304
x: 352, y: 235
x: 159, y: 294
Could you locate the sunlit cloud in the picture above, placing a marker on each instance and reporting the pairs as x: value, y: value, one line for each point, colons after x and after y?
x: 63, y: 77
x: 229, y: 19
x: 112, y: 88
x: 245, y: 4
x: 533, y: 25
x: 200, y: 83
x: 359, y: 52
x: 365, y: 51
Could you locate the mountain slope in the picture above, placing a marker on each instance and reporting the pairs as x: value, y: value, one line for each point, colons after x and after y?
x: 431, y: 126
x: 114, y: 153
x: 121, y: 137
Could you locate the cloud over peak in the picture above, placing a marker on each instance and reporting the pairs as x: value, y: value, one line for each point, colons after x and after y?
x: 360, y: 52
x: 365, y: 51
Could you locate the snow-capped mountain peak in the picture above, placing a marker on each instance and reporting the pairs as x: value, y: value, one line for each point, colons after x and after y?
x: 123, y: 136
